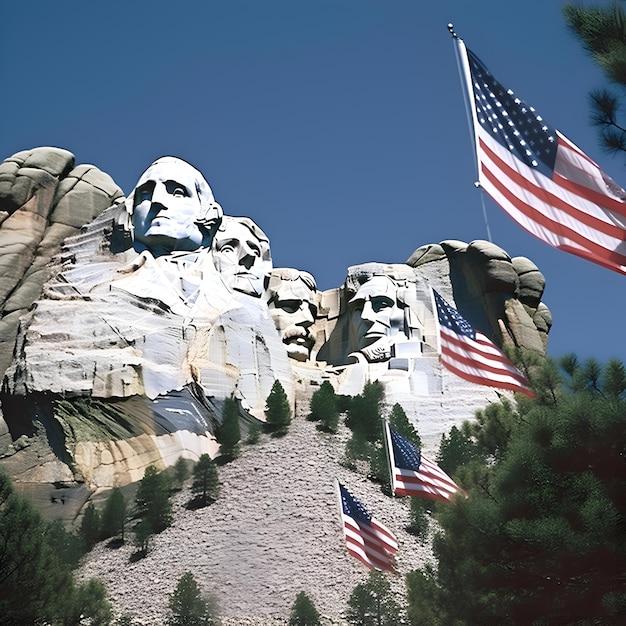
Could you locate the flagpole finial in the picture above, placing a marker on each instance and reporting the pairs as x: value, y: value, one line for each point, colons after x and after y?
x: 451, y: 29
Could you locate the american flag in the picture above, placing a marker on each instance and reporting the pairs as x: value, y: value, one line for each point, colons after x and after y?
x: 472, y: 356
x: 366, y: 539
x: 412, y: 474
x: 540, y: 178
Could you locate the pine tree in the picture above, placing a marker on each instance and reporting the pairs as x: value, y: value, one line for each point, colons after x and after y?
x: 186, y: 605
x: 324, y: 407
x: 152, y: 501
x: 540, y: 537
x: 113, y: 516
x: 90, y: 526
x: 371, y: 604
x: 277, y: 410
x: 303, y: 612
x: 401, y: 424
x: 419, y: 517
x: 365, y: 412
x: 37, y: 559
x: 601, y: 30
x: 142, y: 531
x: 68, y: 547
x: 181, y: 471
x: 455, y: 449
x: 205, y: 486
x: 229, y: 432
x: 89, y: 605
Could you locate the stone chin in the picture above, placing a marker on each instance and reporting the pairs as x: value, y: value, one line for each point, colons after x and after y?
x: 298, y: 352
x: 299, y: 343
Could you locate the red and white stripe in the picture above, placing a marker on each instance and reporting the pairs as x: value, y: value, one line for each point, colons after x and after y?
x: 480, y: 361
x: 430, y: 482
x: 374, y: 545
x: 579, y: 210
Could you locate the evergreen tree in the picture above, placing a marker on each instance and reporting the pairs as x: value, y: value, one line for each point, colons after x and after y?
x: 229, y: 432
x: 601, y: 30
x: 67, y: 546
x: 400, y: 423
x: 152, y: 500
x: 371, y: 604
x: 324, y: 407
x: 114, y: 515
x: 419, y: 520
x: 365, y: 412
x: 254, y: 432
x: 303, y: 612
x: 186, y: 605
x: 181, y: 471
x: 358, y: 447
x: 36, y: 562
x: 277, y: 411
x: 379, y: 466
x: 90, y: 526
x: 205, y: 486
x: 142, y: 531
x: 540, y: 538
x: 455, y: 449
x: 89, y: 605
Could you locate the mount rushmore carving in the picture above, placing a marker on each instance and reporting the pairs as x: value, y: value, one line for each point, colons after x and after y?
x: 127, y: 321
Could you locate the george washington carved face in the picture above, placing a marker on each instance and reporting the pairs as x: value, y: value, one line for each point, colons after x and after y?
x: 173, y: 208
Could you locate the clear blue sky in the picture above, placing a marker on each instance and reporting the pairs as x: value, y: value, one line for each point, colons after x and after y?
x: 337, y: 125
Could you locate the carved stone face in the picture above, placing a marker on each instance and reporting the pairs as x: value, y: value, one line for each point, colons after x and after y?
x: 293, y: 308
x: 376, y: 316
x: 166, y: 207
x: 242, y: 257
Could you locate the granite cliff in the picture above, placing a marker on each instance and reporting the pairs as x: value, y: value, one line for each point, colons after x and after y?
x: 121, y: 338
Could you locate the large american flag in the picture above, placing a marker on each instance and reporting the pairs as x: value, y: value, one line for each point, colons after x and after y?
x: 412, y: 474
x: 473, y: 356
x: 540, y: 178
x: 366, y: 538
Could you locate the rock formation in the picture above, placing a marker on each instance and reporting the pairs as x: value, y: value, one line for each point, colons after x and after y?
x: 126, y: 323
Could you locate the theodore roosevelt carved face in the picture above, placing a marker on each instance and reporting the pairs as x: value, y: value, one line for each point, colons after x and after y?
x: 293, y: 307
x: 173, y: 208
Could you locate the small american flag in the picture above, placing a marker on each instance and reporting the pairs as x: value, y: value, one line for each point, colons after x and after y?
x: 412, y: 474
x: 472, y: 356
x: 366, y: 539
x: 539, y: 177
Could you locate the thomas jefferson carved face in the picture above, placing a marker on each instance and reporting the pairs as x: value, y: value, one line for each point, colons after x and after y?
x: 173, y: 208
x: 293, y: 308
x: 241, y: 253
x: 376, y: 317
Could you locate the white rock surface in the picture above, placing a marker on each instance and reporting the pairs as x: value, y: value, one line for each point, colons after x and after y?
x: 274, y: 531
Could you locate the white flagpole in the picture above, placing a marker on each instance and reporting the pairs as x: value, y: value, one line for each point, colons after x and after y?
x: 433, y: 305
x: 390, y: 457
x: 470, y: 111
x: 340, y: 503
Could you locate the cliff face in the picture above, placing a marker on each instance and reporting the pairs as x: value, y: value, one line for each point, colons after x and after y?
x: 118, y: 352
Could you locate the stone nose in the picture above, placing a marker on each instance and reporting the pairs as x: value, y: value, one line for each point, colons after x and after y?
x: 247, y: 260
x: 367, y: 313
x: 304, y: 316
x: 160, y: 195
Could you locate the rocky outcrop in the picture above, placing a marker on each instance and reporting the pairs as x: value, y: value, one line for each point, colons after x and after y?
x: 44, y: 198
x: 497, y: 294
